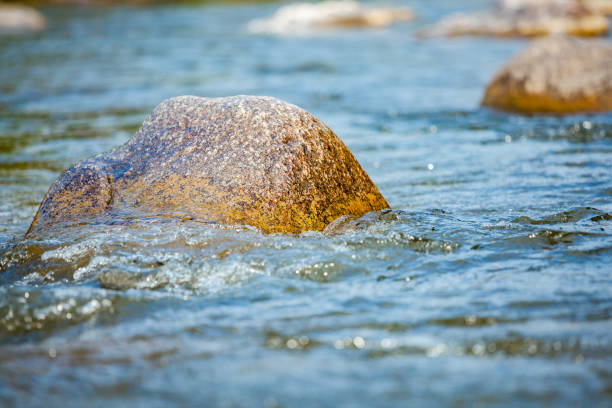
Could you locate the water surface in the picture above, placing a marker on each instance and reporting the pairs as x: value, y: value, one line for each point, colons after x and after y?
x: 488, y: 283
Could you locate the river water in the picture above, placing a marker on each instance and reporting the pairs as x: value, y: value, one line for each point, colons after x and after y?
x: 488, y: 283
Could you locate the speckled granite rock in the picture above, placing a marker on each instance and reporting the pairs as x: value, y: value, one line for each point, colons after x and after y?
x: 526, y: 18
x: 237, y: 160
x: 15, y: 19
x: 555, y: 75
x: 299, y: 17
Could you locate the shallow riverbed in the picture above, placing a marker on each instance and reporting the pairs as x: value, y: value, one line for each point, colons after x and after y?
x: 489, y: 283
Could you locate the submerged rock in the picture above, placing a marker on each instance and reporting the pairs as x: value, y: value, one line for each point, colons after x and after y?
x: 527, y: 18
x: 298, y: 17
x: 15, y: 19
x: 555, y: 75
x: 249, y: 160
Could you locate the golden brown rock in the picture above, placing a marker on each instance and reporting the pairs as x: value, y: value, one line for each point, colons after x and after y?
x: 524, y: 18
x: 238, y: 160
x: 555, y: 75
x: 15, y: 19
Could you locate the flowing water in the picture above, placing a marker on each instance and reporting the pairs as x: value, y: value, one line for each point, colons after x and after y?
x: 488, y: 283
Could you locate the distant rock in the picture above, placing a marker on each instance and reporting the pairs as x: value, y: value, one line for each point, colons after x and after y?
x: 248, y: 160
x: 97, y: 3
x: 526, y: 18
x: 555, y: 75
x: 16, y: 19
x: 301, y: 17
x: 601, y: 6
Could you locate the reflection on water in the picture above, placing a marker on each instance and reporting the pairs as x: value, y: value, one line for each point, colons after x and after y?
x: 488, y: 282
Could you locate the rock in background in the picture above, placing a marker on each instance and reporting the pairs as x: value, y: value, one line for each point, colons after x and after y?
x: 299, y: 17
x: 601, y: 6
x: 17, y: 19
x: 526, y: 18
x: 555, y: 75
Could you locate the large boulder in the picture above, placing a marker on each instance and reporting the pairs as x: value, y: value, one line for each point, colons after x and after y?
x: 524, y: 18
x: 555, y: 75
x: 17, y: 19
x: 248, y: 160
x: 303, y: 17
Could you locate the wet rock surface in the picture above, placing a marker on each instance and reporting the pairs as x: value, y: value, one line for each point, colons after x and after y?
x: 525, y: 18
x: 555, y: 75
x: 248, y: 160
x: 345, y: 13
x: 16, y: 19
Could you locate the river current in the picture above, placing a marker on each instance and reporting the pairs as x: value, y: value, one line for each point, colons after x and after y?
x: 489, y: 282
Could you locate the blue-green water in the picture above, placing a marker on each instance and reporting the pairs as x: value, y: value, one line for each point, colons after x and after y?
x: 489, y: 283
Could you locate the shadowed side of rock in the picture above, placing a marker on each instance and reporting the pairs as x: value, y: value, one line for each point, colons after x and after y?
x: 238, y: 160
x: 555, y: 75
x: 80, y: 190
